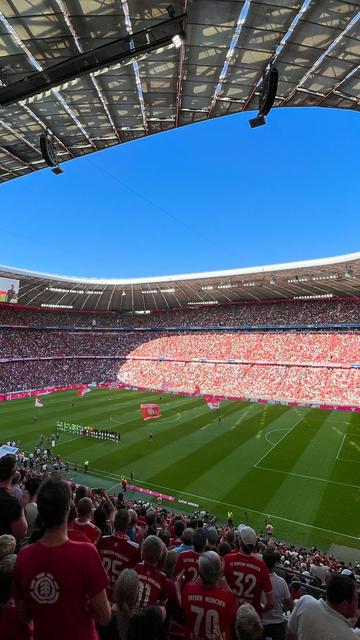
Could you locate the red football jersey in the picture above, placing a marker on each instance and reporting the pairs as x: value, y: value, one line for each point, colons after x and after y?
x: 153, y: 585
x: 208, y: 610
x: 77, y: 536
x: 118, y: 552
x: 188, y: 561
x: 247, y: 577
x: 90, y: 530
x: 56, y: 584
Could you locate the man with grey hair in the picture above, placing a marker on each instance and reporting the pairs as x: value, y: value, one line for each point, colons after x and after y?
x: 126, y: 617
x: 248, y: 625
x: 209, y: 606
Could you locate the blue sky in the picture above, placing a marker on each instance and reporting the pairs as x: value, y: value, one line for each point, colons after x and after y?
x: 215, y: 195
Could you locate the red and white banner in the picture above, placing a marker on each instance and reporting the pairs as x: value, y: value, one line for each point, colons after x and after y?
x: 38, y: 403
x: 83, y: 390
x: 150, y: 411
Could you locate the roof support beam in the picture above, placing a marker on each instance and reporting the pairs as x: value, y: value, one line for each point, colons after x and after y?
x: 280, y: 48
x: 180, y: 76
x: 99, y: 60
x: 125, y: 8
x: 78, y: 45
x: 17, y: 158
x: 44, y: 126
x: 36, y: 65
x: 20, y: 137
x: 234, y: 40
x: 321, y: 58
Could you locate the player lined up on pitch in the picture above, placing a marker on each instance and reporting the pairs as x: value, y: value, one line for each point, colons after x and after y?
x: 88, y: 432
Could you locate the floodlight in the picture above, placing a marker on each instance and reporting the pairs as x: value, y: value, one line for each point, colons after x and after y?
x: 177, y: 41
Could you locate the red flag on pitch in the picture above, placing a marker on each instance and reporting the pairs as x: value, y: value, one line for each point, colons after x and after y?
x: 149, y: 411
x: 197, y: 390
x: 83, y: 390
x: 212, y: 401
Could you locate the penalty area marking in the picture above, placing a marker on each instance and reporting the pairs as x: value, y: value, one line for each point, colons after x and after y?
x: 339, y: 457
x: 273, y: 444
x: 257, y: 465
x: 229, y: 504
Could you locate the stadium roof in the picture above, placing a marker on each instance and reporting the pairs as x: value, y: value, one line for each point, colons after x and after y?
x: 311, y: 279
x: 151, y: 85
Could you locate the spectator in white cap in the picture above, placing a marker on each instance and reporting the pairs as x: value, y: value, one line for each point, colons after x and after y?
x: 247, y: 575
x: 348, y: 572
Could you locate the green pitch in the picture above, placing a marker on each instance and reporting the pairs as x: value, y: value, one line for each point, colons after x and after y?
x: 299, y: 466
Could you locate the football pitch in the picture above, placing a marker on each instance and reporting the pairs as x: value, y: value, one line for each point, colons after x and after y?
x: 298, y: 466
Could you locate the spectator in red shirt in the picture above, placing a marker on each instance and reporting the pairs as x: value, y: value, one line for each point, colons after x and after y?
x: 12, y: 518
x: 117, y: 551
x: 83, y: 521
x: 75, y: 535
x: 10, y: 626
x: 153, y: 587
x: 176, y: 531
x: 58, y: 584
x: 209, y: 606
x: 248, y: 575
x: 188, y: 561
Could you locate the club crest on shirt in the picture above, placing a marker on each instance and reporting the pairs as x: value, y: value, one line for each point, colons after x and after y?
x: 44, y: 589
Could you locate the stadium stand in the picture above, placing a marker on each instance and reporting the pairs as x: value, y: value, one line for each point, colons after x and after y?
x: 270, y: 363
x: 254, y: 314
x: 131, y: 528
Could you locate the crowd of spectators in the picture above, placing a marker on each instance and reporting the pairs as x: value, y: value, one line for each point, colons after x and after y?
x: 261, y: 313
x: 84, y: 357
x: 24, y: 343
x: 81, y: 563
x: 22, y: 375
x: 279, y: 347
x: 303, y: 384
x: 273, y: 347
